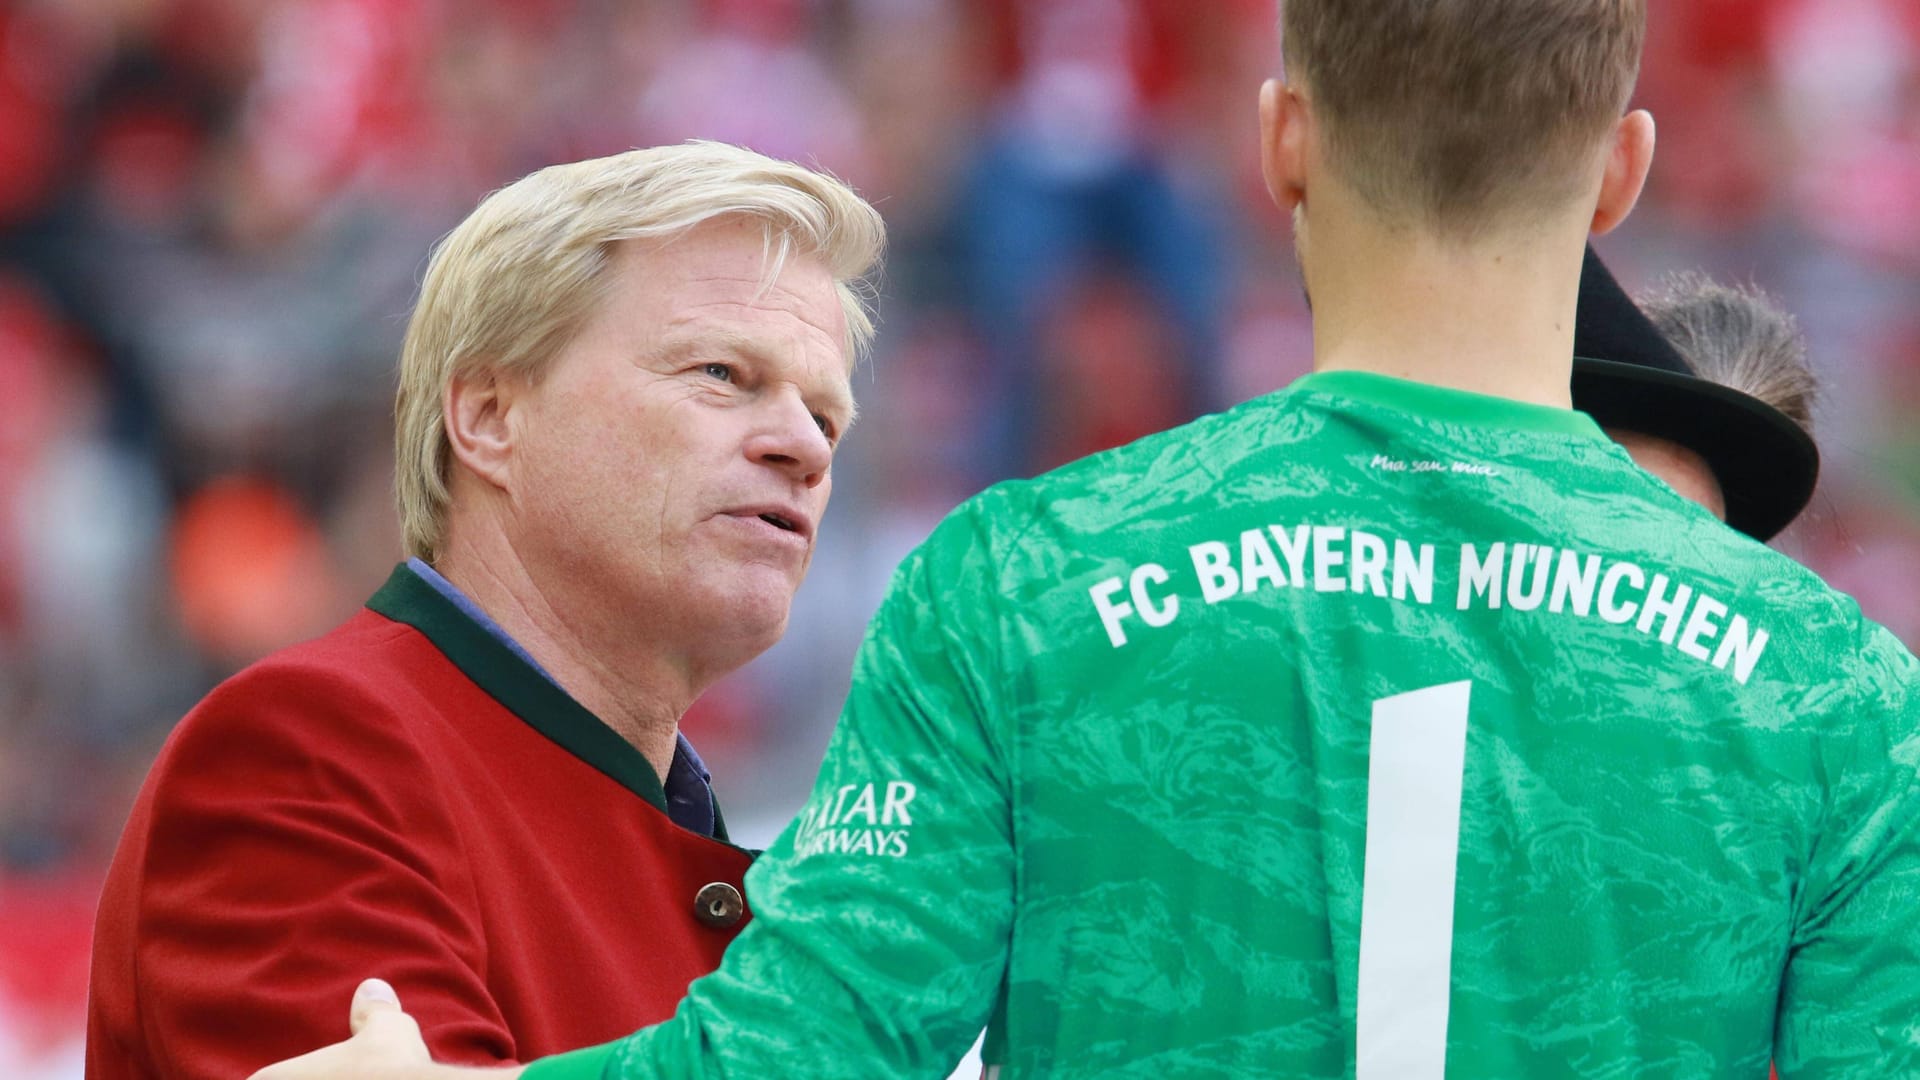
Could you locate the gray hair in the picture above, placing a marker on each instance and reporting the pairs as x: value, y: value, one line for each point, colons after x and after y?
x: 1737, y: 336
x: 510, y: 286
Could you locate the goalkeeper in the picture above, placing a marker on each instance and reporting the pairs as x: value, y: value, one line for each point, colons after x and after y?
x: 1393, y: 725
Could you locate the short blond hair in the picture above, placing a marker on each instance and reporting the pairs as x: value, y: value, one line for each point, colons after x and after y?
x: 510, y: 286
x: 1457, y: 114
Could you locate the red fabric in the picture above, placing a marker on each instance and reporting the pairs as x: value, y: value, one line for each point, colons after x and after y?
x: 356, y: 806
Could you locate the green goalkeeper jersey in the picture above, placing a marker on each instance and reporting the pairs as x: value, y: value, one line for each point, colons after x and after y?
x: 1368, y: 730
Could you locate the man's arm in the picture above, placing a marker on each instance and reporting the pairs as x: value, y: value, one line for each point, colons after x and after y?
x: 882, y: 915
x: 1850, y: 1003
x: 296, y: 844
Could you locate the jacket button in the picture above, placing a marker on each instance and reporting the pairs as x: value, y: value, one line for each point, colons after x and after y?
x: 718, y: 905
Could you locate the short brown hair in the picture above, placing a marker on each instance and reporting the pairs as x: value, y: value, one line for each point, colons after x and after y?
x: 1737, y: 336
x: 1457, y: 114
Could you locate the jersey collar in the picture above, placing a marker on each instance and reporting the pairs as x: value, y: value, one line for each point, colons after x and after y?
x: 1449, y: 405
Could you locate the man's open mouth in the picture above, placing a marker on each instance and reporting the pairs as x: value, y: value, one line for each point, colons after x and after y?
x: 779, y: 522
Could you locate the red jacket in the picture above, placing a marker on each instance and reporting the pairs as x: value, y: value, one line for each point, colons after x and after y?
x: 403, y: 797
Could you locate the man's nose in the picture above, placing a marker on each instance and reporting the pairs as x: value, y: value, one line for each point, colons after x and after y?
x: 789, y: 439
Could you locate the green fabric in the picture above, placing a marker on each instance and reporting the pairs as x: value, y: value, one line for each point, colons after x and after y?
x: 592, y: 1063
x: 520, y: 687
x: 1106, y: 776
x: 1441, y: 404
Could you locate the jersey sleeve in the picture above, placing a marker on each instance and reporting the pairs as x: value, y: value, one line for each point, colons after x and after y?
x: 295, y: 847
x: 1850, y: 1002
x: 882, y: 914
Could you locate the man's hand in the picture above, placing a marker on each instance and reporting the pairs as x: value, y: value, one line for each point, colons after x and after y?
x: 386, y: 1045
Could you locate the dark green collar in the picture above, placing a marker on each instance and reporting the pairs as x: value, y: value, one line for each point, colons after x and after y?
x: 515, y: 684
x: 1455, y: 406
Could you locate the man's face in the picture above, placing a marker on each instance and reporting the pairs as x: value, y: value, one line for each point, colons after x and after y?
x: 673, y: 461
x: 1686, y: 472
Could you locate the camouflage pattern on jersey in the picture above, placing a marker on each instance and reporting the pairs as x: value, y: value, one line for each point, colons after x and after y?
x: 1646, y: 800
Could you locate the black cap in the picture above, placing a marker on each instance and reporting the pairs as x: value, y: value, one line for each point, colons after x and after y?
x: 1626, y: 374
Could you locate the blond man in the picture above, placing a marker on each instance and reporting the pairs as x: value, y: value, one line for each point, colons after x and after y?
x: 620, y: 396
x: 1391, y: 726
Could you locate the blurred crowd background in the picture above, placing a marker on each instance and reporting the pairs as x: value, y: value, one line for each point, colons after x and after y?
x: 214, y: 214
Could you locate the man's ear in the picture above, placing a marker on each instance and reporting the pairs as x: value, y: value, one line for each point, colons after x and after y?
x: 1629, y: 157
x: 1283, y: 144
x: 476, y: 412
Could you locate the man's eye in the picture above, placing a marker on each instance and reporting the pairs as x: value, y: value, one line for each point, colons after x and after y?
x: 826, y: 426
x: 723, y: 372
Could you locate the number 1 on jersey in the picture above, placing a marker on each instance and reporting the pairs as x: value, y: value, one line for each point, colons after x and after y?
x: 1416, y: 769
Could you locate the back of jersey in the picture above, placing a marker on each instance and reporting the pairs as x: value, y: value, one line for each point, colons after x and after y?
x: 1378, y: 730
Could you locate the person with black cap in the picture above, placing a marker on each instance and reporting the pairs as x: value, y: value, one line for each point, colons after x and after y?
x: 1689, y: 416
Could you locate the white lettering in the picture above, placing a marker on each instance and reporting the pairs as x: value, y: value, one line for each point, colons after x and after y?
x: 863, y: 805
x: 1659, y: 605
x: 814, y: 817
x: 1369, y: 563
x: 899, y: 794
x: 1519, y: 576
x: 1257, y: 562
x: 1156, y: 615
x: 1542, y: 557
x: 1218, y: 579
x: 1743, y: 645
x: 1110, y: 612
x: 1326, y: 560
x: 1409, y: 572
x: 1478, y: 577
x: 1700, y: 625
x: 1610, y: 588
x: 1575, y: 581
x: 1293, y: 548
